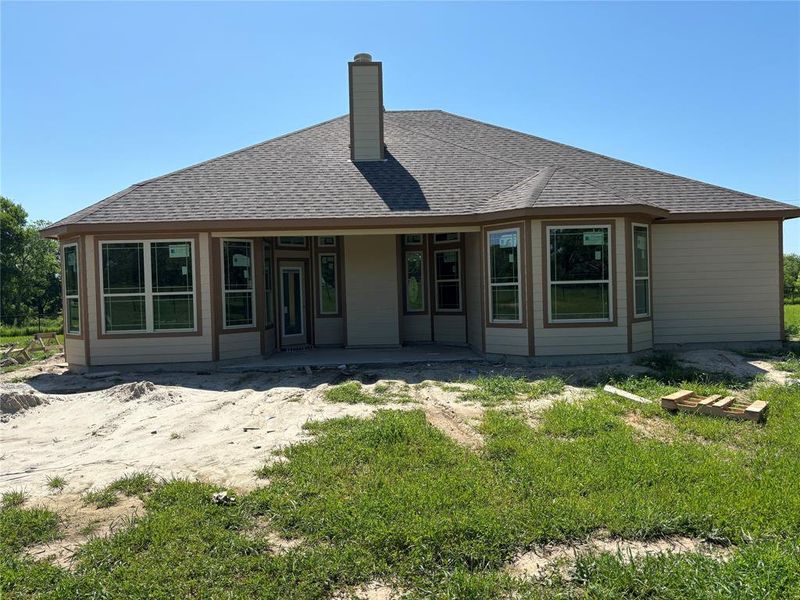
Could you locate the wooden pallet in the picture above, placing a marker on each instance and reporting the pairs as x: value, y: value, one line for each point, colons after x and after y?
x: 715, y: 405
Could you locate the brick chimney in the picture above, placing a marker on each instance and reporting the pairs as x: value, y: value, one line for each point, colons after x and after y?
x: 366, y: 108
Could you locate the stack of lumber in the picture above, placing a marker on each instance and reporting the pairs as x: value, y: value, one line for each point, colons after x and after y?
x: 715, y: 405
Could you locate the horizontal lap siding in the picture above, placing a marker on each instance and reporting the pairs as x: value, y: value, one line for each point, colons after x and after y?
x: 416, y: 328
x: 239, y: 345
x: 149, y: 348
x: 716, y: 282
x: 74, y: 351
x: 370, y: 275
x: 642, y: 336
x: 507, y: 340
x: 450, y: 329
x: 553, y: 341
x: 329, y: 331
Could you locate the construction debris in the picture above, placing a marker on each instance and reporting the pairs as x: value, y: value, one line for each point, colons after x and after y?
x: 223, y: 499
x: 623, y: 394
x: 715, y: 405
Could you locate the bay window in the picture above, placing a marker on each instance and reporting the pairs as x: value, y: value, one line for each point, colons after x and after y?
x: 72, y: 304
x: 328, y: 292
x: 505, y: 290
x: 238, y: 288
x: 448, y: 280
x: 641, y: 271
x: 579, y: 274
x: 148, y: 286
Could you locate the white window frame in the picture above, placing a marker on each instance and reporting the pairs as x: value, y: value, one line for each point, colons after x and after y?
x: 436, y: 281
x: 252, y: 288
x: 609, y: 280
x: 299, y: 270
x: 520, y: 304
x: 148, y: 293
x: 335, y: 281
x: 76, y: 296
x: 290, y: 244
x: 422, y: 280
x: 408, y: 241
x: 321, y: 244
x: 639, y: 278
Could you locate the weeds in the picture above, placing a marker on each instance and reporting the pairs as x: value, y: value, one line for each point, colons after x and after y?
x: 133, y: 484
x: 56, y: 483
x: 104, y: 498
x: 14, y: 498
x: 498, y: 389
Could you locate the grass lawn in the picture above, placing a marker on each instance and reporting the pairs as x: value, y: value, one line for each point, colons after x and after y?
x: 791, y: 319
x: 22, y: 341
x: 392, y: 499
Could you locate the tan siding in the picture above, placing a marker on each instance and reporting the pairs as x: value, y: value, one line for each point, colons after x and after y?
x: 239, y: 345
x: 416, y: 328
x: 74, y: 352
x: 329, y: 332
x: 371, y: 286
x: 716, y: 282
x: 642, y: 335
x: 507, y: 340
x: 150, y: 349
x: 450, y: 329
x: 366, y: 113
x: 472, y: 268
x: 550, y: 341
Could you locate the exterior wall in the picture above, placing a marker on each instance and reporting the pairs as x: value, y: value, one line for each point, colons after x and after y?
x: 507, y: 340
x: 594, y: 339
x: 370, y: 278
x: 149, y: 348
x: 416, y: 328
x: 366, y: 105
x: 716, y: 282
x: 474, y: 295
x: 450, y: 329
x: 641, y: 336
x: 328, y: 331
x: 239, y: 345
x: 75, y: 351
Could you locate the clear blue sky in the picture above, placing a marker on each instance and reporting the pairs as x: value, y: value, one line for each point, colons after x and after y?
x: 96, y: 96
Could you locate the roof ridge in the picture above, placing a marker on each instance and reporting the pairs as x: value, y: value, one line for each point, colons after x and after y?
x: 594, y: 183
x: 611, y: 158
x: 451, y: 143
x: 516, y: 184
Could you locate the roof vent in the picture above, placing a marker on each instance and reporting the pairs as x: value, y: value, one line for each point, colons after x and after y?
x: 362, y: 57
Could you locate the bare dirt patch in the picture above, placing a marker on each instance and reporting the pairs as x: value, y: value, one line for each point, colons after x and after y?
x: 371, y: 591
x: 80, y: 523
x: 457, y: 422
x: 651, y: 428
x: 545, y: 559
x: 262, y: 530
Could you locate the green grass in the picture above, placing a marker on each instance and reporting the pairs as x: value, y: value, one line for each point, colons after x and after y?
x: 56, y: 482
x: 101, y: 498
x: 392, y: 499
x: 8, y: 332
x: 22, y: 527
x: 352, y: 392
x: 14, y: 498
x: 791, y: 319
x: 36, y: 355
x: 492, y: 390
x: 134, y: 484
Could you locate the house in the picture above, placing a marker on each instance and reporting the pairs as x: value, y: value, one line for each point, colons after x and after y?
x: 388, y: 228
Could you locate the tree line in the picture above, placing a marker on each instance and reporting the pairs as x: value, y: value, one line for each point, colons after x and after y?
x: 791, y: 278
x: 30, y: 281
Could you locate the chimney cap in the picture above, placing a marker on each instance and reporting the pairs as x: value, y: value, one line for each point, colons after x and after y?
x: 362, y: 57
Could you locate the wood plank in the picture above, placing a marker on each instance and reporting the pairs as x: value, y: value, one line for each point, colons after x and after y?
x: 679, y: 396
x: 623, y: 394
x: 756, y: 411
x: 724, y: 403
x: 710, y: 400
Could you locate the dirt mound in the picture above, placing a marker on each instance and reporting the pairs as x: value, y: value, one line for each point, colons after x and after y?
x: 139, y: 390
x: 16, y: 401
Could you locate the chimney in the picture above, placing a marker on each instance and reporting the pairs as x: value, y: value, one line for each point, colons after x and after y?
x: 366, y: 108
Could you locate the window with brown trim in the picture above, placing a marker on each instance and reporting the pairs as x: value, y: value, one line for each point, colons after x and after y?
x: 326, y: 241
x: 447, y: 271
x: 292, y: 241
x: 641, y: 271
x: 579, y: 273
x: 412, y: 239
x: 328, y: 284
x: 72, y: 302
x: 444, y: 238
x: 238, y: 288
x: 268, y: 287
x: 414, y: 268
x: 505, y: 282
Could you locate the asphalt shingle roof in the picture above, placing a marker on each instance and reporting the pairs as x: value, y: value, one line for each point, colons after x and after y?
x: 438, y: 164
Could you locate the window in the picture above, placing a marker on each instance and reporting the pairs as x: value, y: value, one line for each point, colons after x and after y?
x: 505, y: 290
x: 328, y: 297
x: 441, y: 238
x: 328, y: 241
x: 413, y: 239
x: 237, y: 289
x: 579, y: 274
x: 448, y: 280
x: 148, y: 286
x: 268, y: 285
x: 292, y: 241
x: 641, y: 270
x: 71, y: 293
x: 415, y: 278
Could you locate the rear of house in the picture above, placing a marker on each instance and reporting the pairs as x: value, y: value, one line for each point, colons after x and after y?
x: 389, y: 228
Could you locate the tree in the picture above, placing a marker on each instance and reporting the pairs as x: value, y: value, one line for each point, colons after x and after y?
x: 29, y: 266
x: 791, y: 276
